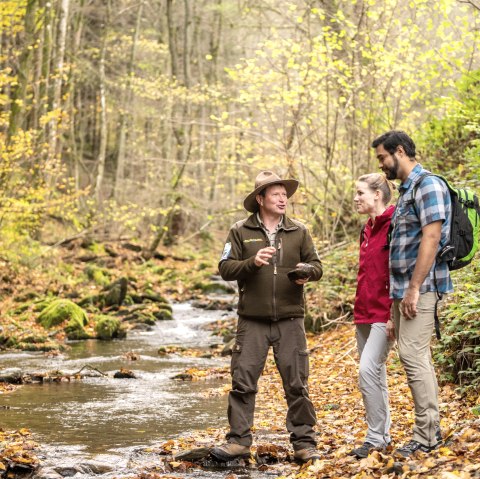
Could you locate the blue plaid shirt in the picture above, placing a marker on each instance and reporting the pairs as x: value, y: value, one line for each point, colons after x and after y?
x: 432, y: 203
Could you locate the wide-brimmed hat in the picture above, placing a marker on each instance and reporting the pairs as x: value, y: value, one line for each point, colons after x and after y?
x: 264, y: 179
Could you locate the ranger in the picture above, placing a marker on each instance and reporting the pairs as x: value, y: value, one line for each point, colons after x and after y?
x: 271, y: 256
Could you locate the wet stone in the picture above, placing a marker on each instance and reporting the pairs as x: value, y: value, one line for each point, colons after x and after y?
x: 193, y: 454
x: 11, y: 376
x: 68, y: 471
x: 46, y: 473
x: 96, y: 467
x: 124, y: 374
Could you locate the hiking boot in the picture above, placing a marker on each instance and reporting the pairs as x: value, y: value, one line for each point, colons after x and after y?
x: 438, y: 435
x: 414, y: 446
x: 230, y: 451
x: 302, y: 456
x: 362, y: 451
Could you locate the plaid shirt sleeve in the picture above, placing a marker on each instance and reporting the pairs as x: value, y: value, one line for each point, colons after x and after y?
x: 432, y: 200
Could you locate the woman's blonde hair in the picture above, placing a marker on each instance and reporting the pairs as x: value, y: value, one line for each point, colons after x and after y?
x: 377, y: 181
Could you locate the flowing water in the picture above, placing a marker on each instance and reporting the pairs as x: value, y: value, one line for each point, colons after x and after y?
x: 103, y: 418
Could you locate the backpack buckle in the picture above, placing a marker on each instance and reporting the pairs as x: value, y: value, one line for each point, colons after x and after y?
x: 446, y: 253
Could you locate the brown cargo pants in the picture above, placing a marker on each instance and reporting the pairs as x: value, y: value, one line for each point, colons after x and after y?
x: 253, y: 340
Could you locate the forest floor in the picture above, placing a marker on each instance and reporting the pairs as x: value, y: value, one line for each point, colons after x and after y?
x: 341, y: 425
x: 333, y: 390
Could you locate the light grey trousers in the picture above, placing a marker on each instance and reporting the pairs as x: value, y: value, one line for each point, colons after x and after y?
x: 373, y: 347
x: 413, y: 338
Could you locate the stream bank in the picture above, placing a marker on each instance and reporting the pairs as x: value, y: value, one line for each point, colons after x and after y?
x: 100, y: 422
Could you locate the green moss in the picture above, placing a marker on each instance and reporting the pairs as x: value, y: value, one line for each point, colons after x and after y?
x: 153, y: 296
x: 108, y: 328
x: 97, y: 275
x: 46, y: 346
x: 75, y: 331
x: 217, y: 288
x: 142, y: 317
x: 95, y: 300
x: 128, y: 301
x: 117, y: 292
x: 62, y: 310
x: 96, y: 248
x: 163, y: 314
x: 41, y: 304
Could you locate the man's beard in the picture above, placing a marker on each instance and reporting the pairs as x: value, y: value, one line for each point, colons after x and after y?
x: 392, y: 172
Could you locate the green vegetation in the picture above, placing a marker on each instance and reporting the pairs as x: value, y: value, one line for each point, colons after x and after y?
x: 107, y: 327
x: 61, y: 310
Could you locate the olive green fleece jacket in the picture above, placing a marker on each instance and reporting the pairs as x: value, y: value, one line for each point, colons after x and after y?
x: 265, y: 292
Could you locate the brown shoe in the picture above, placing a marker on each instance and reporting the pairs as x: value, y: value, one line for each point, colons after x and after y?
x: 302, y: 456
x: 230, y: 451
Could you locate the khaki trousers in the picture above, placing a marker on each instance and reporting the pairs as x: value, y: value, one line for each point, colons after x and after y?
x: 253, y: 340
x: 414, y: 337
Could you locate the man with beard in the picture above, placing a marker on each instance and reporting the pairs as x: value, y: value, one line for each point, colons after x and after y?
x: 418, y: 279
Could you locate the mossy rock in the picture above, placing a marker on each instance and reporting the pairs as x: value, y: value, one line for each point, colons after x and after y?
x: 47, y: 346
x: 116, y: 293
x: 97, y: 275
x: 214, y: 288
x: 140, y: 317
x: 41, y: 304
x: 150, y: 295
x: 166, y: 306
x: 35, y: 339
x: 163, y: 314
x: 21, y: 309
x: 26, y: 296
x: 108, y: 328
x: 128, y: 301
x: 11, y: 342
x: 75, y: 331
x: 203, y: 266
x: 144, y: 318
x: 62, y: 310
x: 96, y: 300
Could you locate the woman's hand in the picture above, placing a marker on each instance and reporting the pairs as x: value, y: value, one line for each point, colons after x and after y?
x: 390, y: 330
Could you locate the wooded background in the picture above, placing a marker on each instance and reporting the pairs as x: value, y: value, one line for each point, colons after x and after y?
x: 150, y: 119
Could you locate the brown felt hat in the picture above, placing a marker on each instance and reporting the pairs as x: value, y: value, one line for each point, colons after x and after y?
x: 264, y: 179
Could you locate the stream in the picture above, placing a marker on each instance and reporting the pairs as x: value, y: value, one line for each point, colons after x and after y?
x: 104, y: 419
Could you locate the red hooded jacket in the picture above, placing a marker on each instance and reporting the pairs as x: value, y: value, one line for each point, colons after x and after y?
x: 372, y: 301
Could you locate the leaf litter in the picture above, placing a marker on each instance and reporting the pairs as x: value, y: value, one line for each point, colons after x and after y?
x: 333, y: 386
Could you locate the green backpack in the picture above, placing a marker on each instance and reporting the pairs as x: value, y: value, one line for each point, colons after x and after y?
x: 465, y: 227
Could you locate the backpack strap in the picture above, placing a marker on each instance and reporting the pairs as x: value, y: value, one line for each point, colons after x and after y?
x: 411, y: 201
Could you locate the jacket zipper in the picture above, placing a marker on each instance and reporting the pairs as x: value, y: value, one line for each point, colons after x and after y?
x: 276, y: 256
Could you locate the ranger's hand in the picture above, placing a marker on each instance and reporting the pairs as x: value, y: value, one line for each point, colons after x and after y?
x: 263, y: 255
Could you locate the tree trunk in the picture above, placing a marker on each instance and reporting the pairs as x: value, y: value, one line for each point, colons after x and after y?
x: 24, y: 73
x: 124, y: 116
x: 54, y: 144
x: 172, y: 40
x: 102, y: 149
x: 47, y: 42
x: 77, y: 149
x: 182, y: 127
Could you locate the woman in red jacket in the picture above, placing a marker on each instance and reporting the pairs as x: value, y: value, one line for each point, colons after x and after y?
x: 372, y: 308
